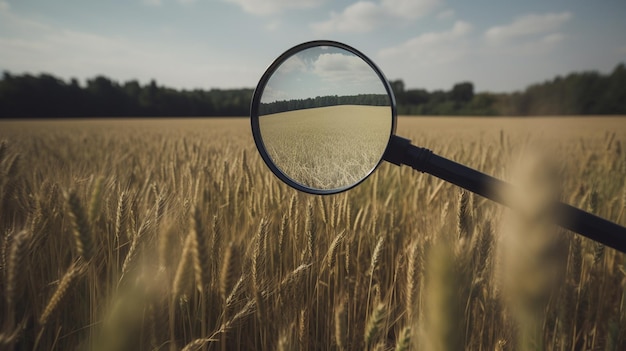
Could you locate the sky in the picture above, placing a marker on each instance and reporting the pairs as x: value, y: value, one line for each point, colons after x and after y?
x: 321, y: 71
x: 500, y: 46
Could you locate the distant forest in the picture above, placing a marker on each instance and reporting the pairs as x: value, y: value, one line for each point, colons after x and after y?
x: 323, y: 101
x: 44, y: 95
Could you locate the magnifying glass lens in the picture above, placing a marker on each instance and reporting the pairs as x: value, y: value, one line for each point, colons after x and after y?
x: 322, y: 116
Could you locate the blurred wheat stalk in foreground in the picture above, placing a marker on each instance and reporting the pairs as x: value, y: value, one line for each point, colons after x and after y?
x: 175, y: 236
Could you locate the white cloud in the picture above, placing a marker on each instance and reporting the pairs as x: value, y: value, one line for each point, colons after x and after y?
x: 360, y: 17
x: 270, y: 94
x: 69, y: 52
x: 268, y: 7
x: 527, y: 26
x: 293, y: 64
x: 365, y: 16
x: 432, y: 60
x: 347, y: 69
x: 432, y: 47
x: 37, y: 47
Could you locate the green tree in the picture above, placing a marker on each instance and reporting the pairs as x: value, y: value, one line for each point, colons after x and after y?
x: 462, y: 92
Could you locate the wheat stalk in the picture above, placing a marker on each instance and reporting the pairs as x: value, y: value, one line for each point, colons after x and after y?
x: 445, y: 297
x: 197, y: 344
x: 281, y: 233
x: 414, y: 272
x: 285, y: 338
x: 167, y: 239
x: 95, y: 201
x: 200, y: 251
x: 76, y: 270
x: 182, y: 278
x: 463, y: 215
x: 347, y: 258
x: 376, y: 255
x: 216, y: 243
x: 258, y: 259
x: 294, y: 280
x: 134, y: 248
x: 3, y: 150
x: 258, y: 263
x: 235, y: 291
x: 158, y: 315
x: 83, y: 236
x: 310, y: 230
x: 13, y: 167
x: 120, y: 216
x: 16, y: 263
x: 404, y: 340
x: 227, y: 271
x: 303, y: 329
x: 332, y: 249
x: 374, y: 324
x: 322, y: 209
x: 4, y: 253
x: 341, y: 326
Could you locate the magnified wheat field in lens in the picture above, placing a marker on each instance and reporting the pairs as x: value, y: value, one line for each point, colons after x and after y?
x: 174, y: 235
x: 328, y: 147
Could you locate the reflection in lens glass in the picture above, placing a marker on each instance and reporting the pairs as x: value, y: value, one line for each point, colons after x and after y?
x: 325, y: 118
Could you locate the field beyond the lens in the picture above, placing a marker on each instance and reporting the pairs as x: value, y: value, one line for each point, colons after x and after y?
x: 174, y: 235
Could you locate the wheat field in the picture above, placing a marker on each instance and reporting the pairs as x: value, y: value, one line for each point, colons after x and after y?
x: 173, y: 235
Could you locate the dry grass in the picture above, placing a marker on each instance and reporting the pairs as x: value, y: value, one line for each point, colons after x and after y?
x: 172, y: 234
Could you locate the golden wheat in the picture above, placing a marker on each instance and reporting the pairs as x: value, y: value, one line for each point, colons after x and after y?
x: 82, y: 232
x: 193, y: 243
x: 68, y: 278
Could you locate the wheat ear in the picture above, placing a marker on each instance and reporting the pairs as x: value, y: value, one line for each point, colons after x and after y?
x: 80, y: 226
x: 3, y: 149
x: 414, y: 272
x: 332, y: 249
x: 77, y: 269
x: 374, y: 324
x: 376, y: 254
x: 463, y: 215
x: 341, y: 326
x: 182, y: 278
x: 200, y: 251
x: 95, y: 201
x: 120, y: 216
x: 15, y: 265
x: 404, y: 341
x: 310, y: 230
x: 197, y: 344
x: 227, y: 271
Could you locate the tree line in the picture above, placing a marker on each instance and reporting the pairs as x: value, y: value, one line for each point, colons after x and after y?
x: 585, y: 93
x: 47, y: 96
x: 26, y: 95
x: 323, y: 101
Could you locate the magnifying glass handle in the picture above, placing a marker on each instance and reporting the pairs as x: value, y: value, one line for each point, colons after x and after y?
x: 401, y: 152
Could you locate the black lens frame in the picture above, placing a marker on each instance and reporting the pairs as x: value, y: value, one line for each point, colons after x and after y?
x: 256, y: 101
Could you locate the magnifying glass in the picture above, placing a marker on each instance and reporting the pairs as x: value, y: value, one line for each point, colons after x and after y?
x: 324, y: 117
